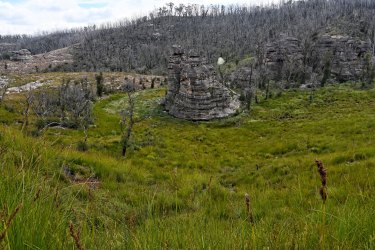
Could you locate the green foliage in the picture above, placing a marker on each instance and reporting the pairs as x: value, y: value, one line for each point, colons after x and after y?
x: 82, y: 146
x: 231, y: 66
x: 246, y: 61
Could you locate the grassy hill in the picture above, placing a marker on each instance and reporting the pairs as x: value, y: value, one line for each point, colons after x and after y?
x: 183, y: 184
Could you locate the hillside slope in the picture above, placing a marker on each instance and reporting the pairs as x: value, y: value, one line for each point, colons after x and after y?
x: 233, y: 32
x: 183, y: 184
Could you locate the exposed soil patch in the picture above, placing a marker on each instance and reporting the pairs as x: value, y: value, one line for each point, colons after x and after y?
x: 28, y: 86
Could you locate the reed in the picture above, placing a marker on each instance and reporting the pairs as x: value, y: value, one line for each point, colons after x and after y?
x: 76, y: 235
x: 249, y: 211
x: 323, y: 176
x: 9, y: 221
x: 323, y: 194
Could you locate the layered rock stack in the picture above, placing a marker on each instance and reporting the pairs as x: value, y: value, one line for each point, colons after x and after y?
x: 347, y: 55
x: 194, y: 92
x: 292, y: 63
x: 21, y: 55
x: 283, y: 57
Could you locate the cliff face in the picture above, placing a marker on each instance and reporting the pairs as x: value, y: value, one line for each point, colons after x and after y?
x: 288, y: 58
x: 347, y: 55
x: 194, y: 93
x: 292, y: 62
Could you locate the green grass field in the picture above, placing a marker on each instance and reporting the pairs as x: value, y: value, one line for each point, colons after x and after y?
x: 183, y: 184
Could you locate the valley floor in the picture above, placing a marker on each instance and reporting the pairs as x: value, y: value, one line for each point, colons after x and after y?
x: 183, y: 184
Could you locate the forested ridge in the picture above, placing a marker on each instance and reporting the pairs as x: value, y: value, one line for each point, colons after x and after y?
x: 233, y: 32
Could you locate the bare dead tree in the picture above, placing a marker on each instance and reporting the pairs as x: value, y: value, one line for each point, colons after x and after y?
x: 44, y: 104
x: 127, y: 118
x: 76, y: 101
x: 4, y: 84
x: 29, y: 98
x: 250, y: 89
x: 75, y: 106
x: 46, y: 107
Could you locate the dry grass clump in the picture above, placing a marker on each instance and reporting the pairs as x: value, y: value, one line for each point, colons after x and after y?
x: 76, y: 235
x: 249, y: 211
x: 323, y: 176
x: 9, y: 222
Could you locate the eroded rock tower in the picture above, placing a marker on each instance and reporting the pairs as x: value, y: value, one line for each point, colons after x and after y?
x: 194, y: 91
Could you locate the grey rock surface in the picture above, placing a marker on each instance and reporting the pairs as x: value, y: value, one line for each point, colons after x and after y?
x: 194, y: 93
x: 21, y: 55
x: 347, y: 53
x: 292, y: 63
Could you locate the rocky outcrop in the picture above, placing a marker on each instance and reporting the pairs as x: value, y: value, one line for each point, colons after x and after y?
x: 283, y: 58
x: 294, y: 63
x: 20, y: 55
x: 194, y: 92
x: 346, y: 54
x: 243, y: 77
x: 23, y: 62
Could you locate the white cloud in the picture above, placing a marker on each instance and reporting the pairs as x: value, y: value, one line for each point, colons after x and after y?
x: 32, y: 16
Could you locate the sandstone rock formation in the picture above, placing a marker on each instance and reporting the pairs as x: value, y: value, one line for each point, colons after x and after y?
x: 292, y: 63
x: 20, y: 55
x: 194, y: 92
x: 243, y: 77
x: 347, y: 55
x: 283, y: 57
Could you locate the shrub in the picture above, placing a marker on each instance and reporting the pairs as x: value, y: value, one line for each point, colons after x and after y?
x: 82, y: 146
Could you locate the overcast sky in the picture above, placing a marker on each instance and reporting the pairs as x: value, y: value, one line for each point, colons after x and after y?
x: 33, y: 16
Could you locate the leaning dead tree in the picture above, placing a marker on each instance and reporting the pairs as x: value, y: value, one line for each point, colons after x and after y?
x: 127, y: 118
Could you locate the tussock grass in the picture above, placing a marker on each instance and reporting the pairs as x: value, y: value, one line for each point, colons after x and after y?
x: 183, y: 183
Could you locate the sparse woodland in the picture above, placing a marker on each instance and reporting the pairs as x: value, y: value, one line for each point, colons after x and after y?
x: 233, y: 32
